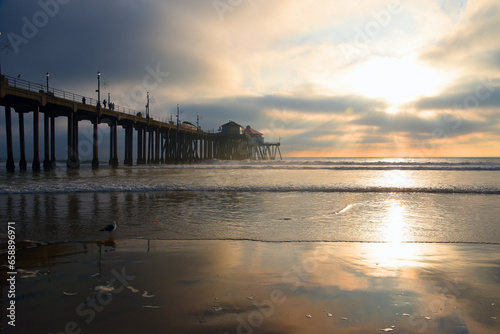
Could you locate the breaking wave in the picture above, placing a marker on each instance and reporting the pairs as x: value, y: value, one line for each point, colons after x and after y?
x: 283, y: 189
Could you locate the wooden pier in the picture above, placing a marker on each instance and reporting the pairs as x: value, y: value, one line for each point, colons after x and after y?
x: 157, y: 142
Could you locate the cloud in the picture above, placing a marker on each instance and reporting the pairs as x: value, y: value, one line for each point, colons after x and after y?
x: 472, y: 44
x: 414, y: 126
x: 278, y: 66
x: 469, y: 93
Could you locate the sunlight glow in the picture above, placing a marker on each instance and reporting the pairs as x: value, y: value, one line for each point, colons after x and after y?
x: 397, y: 80
x: 393, y: 109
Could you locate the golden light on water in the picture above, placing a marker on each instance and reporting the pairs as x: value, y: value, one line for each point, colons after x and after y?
x: 394, y: 254
x: 397, y: 178
x: 394, y: 230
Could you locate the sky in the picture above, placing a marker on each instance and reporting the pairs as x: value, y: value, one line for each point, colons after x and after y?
x: 377, y: 78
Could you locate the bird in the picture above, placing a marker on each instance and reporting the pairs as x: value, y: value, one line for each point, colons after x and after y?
x: 109, y: 228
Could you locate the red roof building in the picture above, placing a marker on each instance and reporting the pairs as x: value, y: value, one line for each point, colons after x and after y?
x: 254, y: 135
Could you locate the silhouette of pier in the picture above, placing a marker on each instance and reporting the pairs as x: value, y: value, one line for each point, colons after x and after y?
x: 157, y: 142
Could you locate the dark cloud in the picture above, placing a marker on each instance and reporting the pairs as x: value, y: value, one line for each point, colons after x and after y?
x: 337, y: 104
x: 467, y: 94
x: 119, y: 38
x: 334, y: 104
x: 372, y: 139
x: 444, y: 125
x: 255, y: 110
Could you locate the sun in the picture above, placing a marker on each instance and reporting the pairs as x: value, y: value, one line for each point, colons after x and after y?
x: 396, y: 80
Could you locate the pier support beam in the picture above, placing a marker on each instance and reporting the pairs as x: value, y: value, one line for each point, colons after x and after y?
x: 95, y: 146
x: 210, y: 144
x: 191, y: 145
x: 150, y: 143
x: 194, y: 140
x: 52, y: 142
x: 184, y: 148
x: 10, y: 152
x: 73, y: 160
x: 139, y: 146
x: 46, y: 142
x: 125, y: 160
x: 36, y: 140
x: 115, y: 149
x: 144, y: 141
x: 180, y: 156
x: 151, y: 148
x: 113, y: 145
x: 172, y: 144
x: 22, y: 162
x: 206, y: 155
x: 163, y: 146
x: 157, y: 146
x: 202, y: 147
x: 168, y: 143
x: 76, y: 141
x: 69, y: 144
x: 129, y: 144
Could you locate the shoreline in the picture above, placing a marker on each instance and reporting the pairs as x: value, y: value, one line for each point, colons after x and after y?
x: 28, y: 244
x: 213, y: 286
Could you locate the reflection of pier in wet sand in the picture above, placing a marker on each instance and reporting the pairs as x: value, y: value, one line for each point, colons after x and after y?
x: 203, y: 286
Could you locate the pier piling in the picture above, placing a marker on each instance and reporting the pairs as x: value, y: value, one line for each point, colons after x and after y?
x: 36, y: 140
x: 52, y: 142
x: 10, y: 152
x: 46, y: 142
x: 22, y: 162
x: 95, y: 146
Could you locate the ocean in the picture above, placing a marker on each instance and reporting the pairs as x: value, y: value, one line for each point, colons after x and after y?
x: 446, y: 200
x: 342, y: 245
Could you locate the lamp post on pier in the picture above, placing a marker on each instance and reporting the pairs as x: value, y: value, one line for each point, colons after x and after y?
x: 98, y: 91
x: 147, y: 108
x: 177, y: 115
x: 95, y: 151
x: 47, y: 75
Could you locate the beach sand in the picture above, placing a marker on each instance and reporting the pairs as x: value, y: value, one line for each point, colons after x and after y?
x: 157, y: 286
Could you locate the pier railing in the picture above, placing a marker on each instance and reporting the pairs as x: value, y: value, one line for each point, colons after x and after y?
x: 41, y: 88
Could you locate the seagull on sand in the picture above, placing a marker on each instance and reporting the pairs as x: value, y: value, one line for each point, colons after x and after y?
x: 109, y: 228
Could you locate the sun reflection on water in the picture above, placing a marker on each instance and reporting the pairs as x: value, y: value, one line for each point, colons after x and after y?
x: 395, y: 220
x: 397, y: 178
x: 394, y: 253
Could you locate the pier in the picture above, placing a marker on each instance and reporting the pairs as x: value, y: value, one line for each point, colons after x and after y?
x: 157, y: 142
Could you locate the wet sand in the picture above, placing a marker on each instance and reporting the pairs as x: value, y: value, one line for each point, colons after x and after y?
x: 132, y: 286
